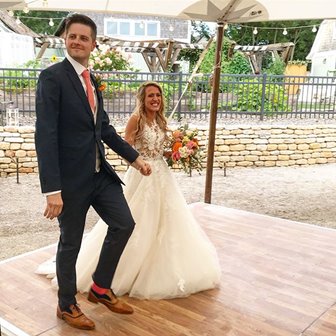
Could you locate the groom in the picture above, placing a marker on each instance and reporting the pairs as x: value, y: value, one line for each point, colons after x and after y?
x: 71, y: 127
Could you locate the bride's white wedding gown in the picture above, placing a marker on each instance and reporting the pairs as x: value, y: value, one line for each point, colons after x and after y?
x: 168, y: 254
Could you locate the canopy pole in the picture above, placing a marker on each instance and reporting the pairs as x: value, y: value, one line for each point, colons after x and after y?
x: 193, y: 74
x: 213, y: 112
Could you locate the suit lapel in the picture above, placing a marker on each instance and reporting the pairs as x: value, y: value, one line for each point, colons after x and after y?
x: 78, y: 86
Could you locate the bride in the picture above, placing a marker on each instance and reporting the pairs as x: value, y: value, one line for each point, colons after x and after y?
x: 168, y: 254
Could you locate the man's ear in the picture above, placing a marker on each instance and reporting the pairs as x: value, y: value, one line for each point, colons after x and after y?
x: 94, y: 44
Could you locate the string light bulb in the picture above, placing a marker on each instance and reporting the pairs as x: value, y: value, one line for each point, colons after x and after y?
x: 18, y: 21
x: 314, y: 30
x: 10, y: 13
x: 255, y: 31
x: 51, y: 22
x: 45, y: 3
x: 171, y: 28
x: 285, y: 31
x: 226, y: 26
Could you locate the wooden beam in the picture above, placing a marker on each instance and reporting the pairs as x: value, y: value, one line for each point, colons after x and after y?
x: 44, y: 46
x: 287, y: 54
x: 168, y: 54
x: 151, y: 61
x: 148, y: 61
x: 176, y: 52
x: 254, y: 63
x: 160, y: 56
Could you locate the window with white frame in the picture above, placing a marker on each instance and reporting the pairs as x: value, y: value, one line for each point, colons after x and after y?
x: 131, y: 29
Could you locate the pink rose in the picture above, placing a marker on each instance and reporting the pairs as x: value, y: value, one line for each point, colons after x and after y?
x: 176, y: 156
x: 190, y: 144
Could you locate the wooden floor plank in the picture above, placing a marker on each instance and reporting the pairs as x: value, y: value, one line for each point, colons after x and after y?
x: 325, y: 325
x: 279, y: 279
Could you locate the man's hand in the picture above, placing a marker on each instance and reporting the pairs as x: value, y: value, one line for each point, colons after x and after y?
x: 143, y: 166
x: 54, y: 206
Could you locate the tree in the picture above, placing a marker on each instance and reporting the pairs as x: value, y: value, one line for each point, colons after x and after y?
x: 298, y: 32
x: 38, y: 21
x: 200, y: 33
x: 269, y: 32
x: 232, y: 62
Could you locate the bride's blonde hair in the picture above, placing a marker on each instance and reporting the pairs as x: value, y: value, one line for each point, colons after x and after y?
x: 140, y: 111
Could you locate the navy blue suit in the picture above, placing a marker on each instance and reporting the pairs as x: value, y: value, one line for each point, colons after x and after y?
x: 66, y: 141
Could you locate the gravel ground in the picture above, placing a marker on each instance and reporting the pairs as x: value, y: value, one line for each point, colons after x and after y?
x: 303, y: 194
x: 290, y: 119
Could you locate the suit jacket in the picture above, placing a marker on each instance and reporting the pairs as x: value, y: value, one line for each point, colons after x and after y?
x: 66, y: 135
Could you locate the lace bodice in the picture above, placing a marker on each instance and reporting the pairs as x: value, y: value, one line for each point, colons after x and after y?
x: 151, y: 144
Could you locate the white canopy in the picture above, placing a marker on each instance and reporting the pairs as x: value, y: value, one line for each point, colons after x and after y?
x: 206, y: 10
x: 10, y: 3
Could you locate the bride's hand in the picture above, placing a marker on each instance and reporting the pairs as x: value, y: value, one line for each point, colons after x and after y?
x: 145, y: 169
x: 143, y: 166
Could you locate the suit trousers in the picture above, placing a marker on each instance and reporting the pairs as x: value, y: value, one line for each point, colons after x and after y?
x: 106, y: 196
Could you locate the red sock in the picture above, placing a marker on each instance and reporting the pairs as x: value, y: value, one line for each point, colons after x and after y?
x: 98, y: 289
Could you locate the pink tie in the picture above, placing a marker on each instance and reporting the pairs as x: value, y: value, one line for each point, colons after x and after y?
x: 89, y: 90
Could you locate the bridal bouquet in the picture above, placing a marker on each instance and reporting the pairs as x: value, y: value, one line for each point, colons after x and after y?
x: 183, y: 149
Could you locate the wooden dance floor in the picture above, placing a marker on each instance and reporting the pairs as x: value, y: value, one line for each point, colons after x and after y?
x: 279, y: 278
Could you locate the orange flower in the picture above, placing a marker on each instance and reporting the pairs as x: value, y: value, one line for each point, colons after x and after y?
x: 177, y: 134
x: 196, y: 141
x: 102, y: 87
x: 177, y: 146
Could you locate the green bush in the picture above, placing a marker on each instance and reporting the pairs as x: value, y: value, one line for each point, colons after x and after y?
x: 19, y: 80
x: 249, y: 97
x: 208, y: 61
x: 236, y: 64
x: 276, y: 67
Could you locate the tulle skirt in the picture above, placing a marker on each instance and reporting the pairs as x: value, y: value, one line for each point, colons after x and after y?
x: 168, y: 254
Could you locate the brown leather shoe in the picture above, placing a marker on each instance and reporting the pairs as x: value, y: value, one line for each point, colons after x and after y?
x: 110, y: 301
x: 76, y: 318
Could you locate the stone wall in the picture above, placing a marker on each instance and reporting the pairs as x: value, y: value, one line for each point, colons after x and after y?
x: 260, y: 146
x: 268, y: 146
